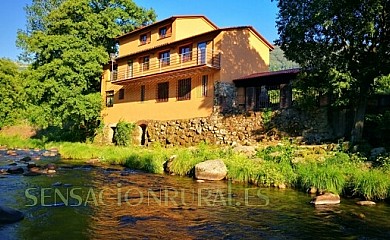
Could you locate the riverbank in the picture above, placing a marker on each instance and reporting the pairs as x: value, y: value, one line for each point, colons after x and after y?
x: 309, y: 168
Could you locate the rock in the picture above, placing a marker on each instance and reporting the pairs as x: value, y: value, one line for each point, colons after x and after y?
x: 26, y: 159
x: 312, y: 190
x: 49, y: 154
x: 93, y: 161
x: 51, y: 166
x: 12, y: 153
x: 57, y: 184
x: 34, y: 169
x: 327, y: 198
x: 9, y: 215
x: 366, y: 203
x: 168, y: 164
x: 375, y: 152
x: 211, y: 170
x: 31, y: 165
x: 15, y: 170
x: 282, y: 186
x: 247, y: 150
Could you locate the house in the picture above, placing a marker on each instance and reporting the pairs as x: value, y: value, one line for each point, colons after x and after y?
x: 182, y: 67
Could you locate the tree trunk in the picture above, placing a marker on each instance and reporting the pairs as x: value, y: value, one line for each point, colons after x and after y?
x: 358, y: 123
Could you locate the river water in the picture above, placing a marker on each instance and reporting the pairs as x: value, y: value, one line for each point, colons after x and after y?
x: 89, y: 202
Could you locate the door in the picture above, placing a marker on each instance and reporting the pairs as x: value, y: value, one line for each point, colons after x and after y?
x: 202, y: 46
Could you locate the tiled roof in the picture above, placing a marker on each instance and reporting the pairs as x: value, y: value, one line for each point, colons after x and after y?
x: 166, y: 20
x: 272, y: 73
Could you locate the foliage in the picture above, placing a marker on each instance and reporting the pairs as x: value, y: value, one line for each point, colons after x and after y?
x: 378, y: 132
x: 279, y: 62
x: 372, y: 184
x: 123, y: 133
x: 267, y: 117
x: 382, y: 85
x: 67, y: 43
x: 343, y: 46
x: 12, y: 95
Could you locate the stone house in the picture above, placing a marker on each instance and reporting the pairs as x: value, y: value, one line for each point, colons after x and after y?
x: 175, y: 77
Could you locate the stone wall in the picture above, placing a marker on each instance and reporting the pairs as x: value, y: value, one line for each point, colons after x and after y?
x: 246, y: 129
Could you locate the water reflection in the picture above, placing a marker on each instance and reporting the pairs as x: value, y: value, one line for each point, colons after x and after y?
x: 126, y: 204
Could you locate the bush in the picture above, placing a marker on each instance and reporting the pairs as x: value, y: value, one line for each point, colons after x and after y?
x: 321, y: 176
x: 123, y: 133
x: 372, y: 184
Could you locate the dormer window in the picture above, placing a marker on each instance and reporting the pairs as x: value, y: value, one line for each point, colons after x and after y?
x: 165, y: 31
x: 162, y: 32
x: 144, y: 38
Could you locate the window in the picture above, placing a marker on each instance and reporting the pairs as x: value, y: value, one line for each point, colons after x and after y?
x: 205, y: 83
x: 144, y: 38
x: 142, y: 93
x: 114, y: 72
x: 162, y: 32
x: 163, y: 92
x: 184, y: 89
x: 185, y: 53
x: 144, y: 63
x: 164, y: 58
x: 121, y: 94
x: 110, y: 98
x: 130, y: 68
x: 165, y: 31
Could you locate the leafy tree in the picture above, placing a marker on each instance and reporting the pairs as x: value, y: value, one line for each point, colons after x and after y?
x: 68, y: 42
x: 11, y: 93
x: 342, y: 44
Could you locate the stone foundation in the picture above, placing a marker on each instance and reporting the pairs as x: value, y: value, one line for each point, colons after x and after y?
x: 245, y: 129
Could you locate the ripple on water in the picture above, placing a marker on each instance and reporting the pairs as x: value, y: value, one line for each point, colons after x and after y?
x: 140, y: 205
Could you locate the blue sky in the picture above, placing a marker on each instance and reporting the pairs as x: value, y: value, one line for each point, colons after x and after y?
x: 224, y: 13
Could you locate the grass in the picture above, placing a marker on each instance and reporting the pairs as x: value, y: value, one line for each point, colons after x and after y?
x: 285, y: 163
x: 372, y: 184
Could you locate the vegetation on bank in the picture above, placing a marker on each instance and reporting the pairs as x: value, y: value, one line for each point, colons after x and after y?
x: 287, y: 164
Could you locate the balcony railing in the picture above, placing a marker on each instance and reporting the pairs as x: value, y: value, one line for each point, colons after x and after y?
x: 174, y: 62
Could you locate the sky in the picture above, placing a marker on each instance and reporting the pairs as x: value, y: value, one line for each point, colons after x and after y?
x: 261, y: 14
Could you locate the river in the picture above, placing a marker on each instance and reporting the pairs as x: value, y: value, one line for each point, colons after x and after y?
x: 90, y: 202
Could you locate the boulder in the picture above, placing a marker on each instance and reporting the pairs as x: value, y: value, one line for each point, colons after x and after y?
x: 31, y: 165
x: 26, y: 159
x: 366, y: 203
x: 375, y: 152
x: 168, y: 164
x: 51, y: 166
x: 327, y: 198
x: 15, y: 170
x: 211, y: 170
x: 9, y: 215
x: 312, y: 190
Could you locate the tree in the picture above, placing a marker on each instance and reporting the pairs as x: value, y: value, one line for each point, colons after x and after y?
x: 11, y: 93
x: 344, y: 44
x: 279, y: 62
x: 68, y: 42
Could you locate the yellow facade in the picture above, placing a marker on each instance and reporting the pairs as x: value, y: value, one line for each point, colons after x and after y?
x: 172, y: 74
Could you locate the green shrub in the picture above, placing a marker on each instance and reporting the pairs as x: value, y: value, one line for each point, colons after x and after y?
x: 123, y: 133
x: 372, y: 184
x: 327, y: 177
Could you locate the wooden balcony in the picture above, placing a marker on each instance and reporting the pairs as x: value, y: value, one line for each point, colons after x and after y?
x: 174, y: 64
